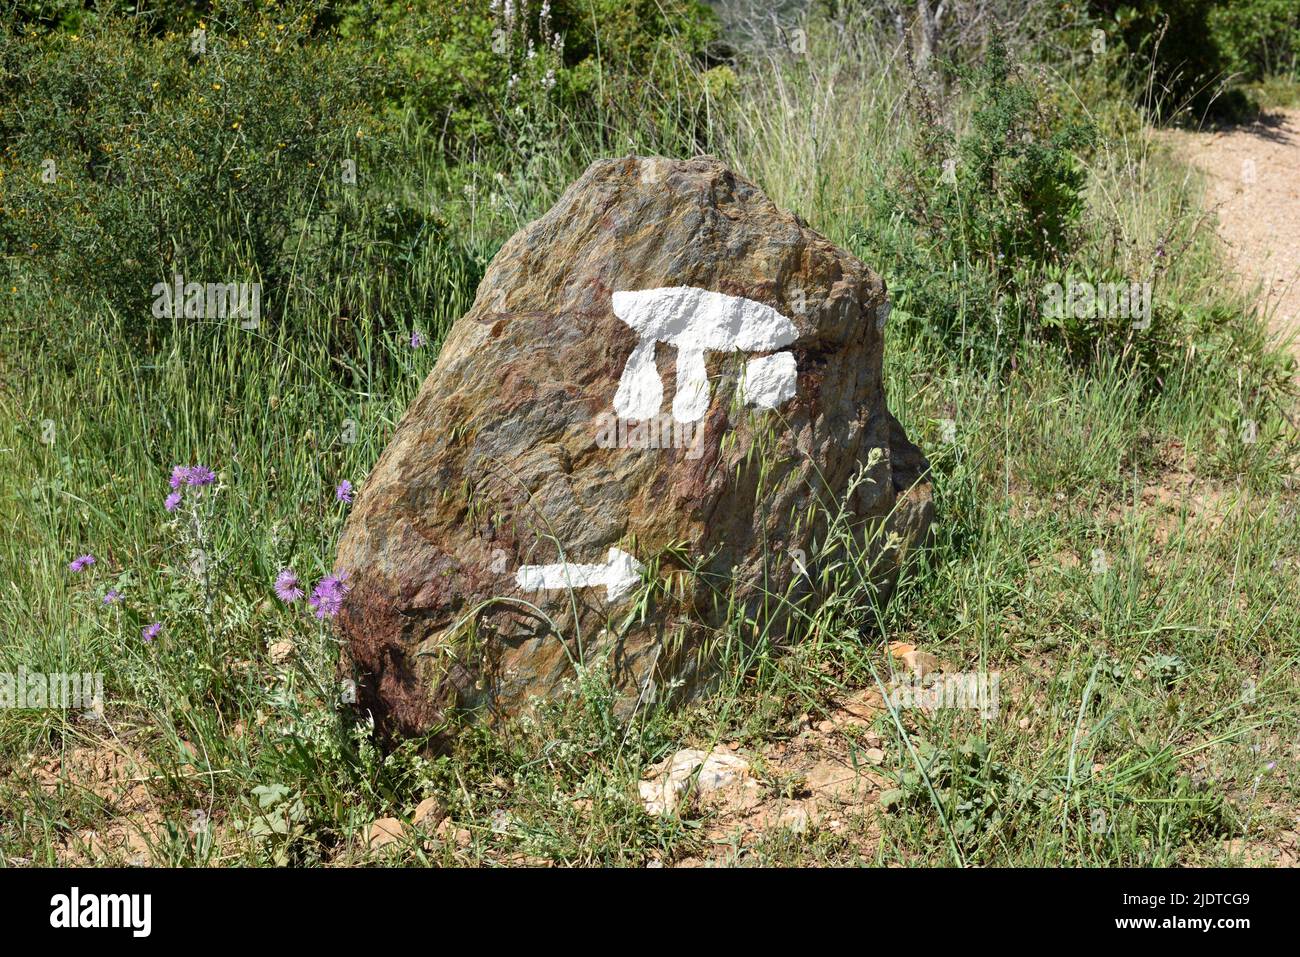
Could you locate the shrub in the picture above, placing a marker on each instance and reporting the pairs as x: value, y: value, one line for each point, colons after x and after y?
x: 984, y: 213
x: 1181, y: 69
x: 478, y: 71
x: 133, y: 157
x: 1259, y: 38
x: 210, y: 140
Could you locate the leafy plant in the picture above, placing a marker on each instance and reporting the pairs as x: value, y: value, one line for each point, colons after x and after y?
x: 985, y: 212
x: 1177, y: 59
x: 218, y: 155
x: 975, y: 791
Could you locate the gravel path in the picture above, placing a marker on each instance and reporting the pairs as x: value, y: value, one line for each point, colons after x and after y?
x: 1253, y: 181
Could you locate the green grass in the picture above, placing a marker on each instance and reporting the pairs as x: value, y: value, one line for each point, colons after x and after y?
x: 1141, y: 704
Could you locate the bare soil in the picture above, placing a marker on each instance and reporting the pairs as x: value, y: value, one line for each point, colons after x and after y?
x: 1253, y: 182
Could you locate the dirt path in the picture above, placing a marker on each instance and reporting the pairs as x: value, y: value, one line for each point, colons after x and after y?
x: 1253, y: 182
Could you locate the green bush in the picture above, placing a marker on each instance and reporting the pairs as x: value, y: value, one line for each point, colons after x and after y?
x: 1259, y: 38
x: 987, y: 242
x: 982, y: 215
x: 220, y: 155
x: 160, y: 15
x: 481, y: 71
x: 1179, y: 65
x: 210, y: 140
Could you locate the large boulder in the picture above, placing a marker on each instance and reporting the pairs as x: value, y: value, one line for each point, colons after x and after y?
x: 630, y: 442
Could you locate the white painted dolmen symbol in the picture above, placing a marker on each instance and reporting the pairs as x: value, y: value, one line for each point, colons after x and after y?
x: 619, y: 574
x: 696, y: 320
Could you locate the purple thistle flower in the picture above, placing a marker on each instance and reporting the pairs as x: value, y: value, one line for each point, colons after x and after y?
x: 172, y: 501
x: 111, y: 596
x: 200, y: 475
x: 344, y: 492
x: 287, y: 586
x: 81, y: 563
x: 150, y: 632
x: 191, y: 475
x: 328, y: 596
x: 417, y: 340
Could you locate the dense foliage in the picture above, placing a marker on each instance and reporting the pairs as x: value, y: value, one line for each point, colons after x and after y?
x: 1189, y: 56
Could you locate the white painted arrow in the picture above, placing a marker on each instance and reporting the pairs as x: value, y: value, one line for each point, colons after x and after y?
x: 619, y: 574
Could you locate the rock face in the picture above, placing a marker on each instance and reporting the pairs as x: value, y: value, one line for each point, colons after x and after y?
x: 662, y: 387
